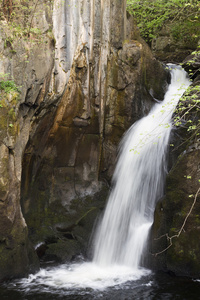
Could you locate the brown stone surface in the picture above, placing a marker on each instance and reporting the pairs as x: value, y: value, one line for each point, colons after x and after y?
x: 81, y: 88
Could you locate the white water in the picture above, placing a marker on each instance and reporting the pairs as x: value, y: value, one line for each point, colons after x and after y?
x: 138, y: 182
x: 80, y: 276
x: 137, y: 185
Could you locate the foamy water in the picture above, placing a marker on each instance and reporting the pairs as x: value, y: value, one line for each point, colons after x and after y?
x: 138, y: 183
x: 82, y: 276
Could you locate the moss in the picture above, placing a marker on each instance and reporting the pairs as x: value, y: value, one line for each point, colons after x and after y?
x: 8, y: 120
x: 17, y: 257
x: 63, y: 250
x: 51, y: 222
x: 42, y: 218
x: 183, y: 257
x: 11, y: 114
x: 13, y: 129
x: 114, y: 73
x: 5, y: 179
x: 51, y: 36
x: 8, y: 86
x: 3, y: 120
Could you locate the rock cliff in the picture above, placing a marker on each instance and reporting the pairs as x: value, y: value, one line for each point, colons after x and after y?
x: 84, y: 77
x: 175, y: 233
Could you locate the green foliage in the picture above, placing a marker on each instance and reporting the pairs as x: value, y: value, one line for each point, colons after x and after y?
x: 9, y: 93
x: 23, y: 18
x: 194, y: 60
x: 180, y: 16
x: 188, y: 111
x: 8, y: 86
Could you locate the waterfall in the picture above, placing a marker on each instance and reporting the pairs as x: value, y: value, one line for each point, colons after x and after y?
x: 138, y: 182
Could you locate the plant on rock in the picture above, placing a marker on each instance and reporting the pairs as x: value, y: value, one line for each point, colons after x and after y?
x: 180, y: 16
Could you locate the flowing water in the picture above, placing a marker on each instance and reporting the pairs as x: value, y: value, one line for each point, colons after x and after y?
x: 138, y: 182
x: 115, y: 271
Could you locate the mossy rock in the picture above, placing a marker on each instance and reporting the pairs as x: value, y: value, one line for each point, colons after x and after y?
x: 62, y: 251
x: 183, y: 256
x: 17, y: 256
x: 65, y: 231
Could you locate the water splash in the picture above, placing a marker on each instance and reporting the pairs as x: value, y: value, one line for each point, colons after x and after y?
x: 138, y: 182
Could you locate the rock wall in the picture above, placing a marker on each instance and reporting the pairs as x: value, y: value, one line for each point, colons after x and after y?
x: 176, y: 231
x: 71, y: 153
x: 174, y: 46
x: 87, y: 81
x: 21, y: 60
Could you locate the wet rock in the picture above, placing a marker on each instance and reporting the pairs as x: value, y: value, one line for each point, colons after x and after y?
x: 80, y: 89
x: 177, y: 215
x: 41, y: 249
x: 182, y: 257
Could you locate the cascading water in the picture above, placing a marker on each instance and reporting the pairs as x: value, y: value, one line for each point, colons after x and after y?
x: 138, y: 182
x: 121, y: 236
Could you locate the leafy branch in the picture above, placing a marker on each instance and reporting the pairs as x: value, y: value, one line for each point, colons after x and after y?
x: 187, y: 113
x: 8, y: 86
x: 180, y: 16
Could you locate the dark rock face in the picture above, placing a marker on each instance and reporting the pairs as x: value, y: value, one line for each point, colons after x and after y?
x: 166, y: 47
x: 178, y: 213
x: 17, y: 255
x: 72, y: 153
x: 80, y: 90
x: 182, y: 257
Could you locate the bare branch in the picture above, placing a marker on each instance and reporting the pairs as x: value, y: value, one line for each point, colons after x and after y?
x: 181, y: 229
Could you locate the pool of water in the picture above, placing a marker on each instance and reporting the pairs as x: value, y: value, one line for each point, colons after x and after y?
x: 87, y: 281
